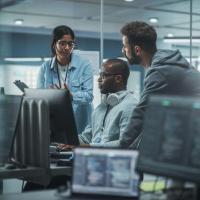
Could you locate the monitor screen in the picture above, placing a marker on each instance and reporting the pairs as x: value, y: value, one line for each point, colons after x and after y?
x: 9, y: 115
x: 170, y: 144
x: 62, y: 123
x: 105, y: 171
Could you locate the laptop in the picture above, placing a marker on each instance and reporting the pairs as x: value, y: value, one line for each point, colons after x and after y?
x: 9, y: 114
x: 109, y: 172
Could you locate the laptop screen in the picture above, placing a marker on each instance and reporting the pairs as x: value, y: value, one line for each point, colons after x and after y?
x: 9, y: 111
x: 105, y: 171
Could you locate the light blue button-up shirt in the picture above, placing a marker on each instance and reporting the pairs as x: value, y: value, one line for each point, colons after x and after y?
x: 80, y: 83
x: 110, y: 124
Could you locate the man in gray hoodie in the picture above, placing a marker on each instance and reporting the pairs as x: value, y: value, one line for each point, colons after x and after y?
x: 168, y: 73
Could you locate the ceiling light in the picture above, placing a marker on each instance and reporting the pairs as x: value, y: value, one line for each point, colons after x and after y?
x: 182, y: 40
x: 128, y: 0
x: 170, y: 35
x: 19, y: 21
x: 23, y: 59
x: 153, y: 20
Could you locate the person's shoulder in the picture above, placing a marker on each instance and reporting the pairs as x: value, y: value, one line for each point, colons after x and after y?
x: 128, y: 104
x: 131, y: 97
x: 47, y: 63
x: 101, y: 106
x: 129, y: 93
x: 128, y: 99
x: 80, y: 62
x: 76, y: 55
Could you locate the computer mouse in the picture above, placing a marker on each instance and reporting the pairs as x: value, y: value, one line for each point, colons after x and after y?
x: 11, y: 166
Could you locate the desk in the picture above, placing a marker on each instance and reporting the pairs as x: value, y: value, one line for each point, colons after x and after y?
x: 35, y: 174
x: 28, y: 172
x: 50, y: 195
x: 21, y: 172
x: 60, y: 170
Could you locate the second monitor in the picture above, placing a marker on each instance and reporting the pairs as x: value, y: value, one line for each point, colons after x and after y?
x: 62, y: 123
x: 170, y: 143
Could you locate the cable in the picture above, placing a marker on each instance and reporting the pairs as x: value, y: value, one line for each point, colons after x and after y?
x: 154, y: 184
x: 23, y: 183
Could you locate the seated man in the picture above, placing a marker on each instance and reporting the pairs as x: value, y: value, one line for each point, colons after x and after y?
x: 110, y: 118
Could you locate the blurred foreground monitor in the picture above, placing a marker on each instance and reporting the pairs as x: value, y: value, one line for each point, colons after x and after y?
x: 170, y: 143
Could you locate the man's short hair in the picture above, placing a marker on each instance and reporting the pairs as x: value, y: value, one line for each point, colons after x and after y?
x: 120, y: 66
x: 141, y: 34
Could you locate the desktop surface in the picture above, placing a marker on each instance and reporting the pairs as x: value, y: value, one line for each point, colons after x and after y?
x: 54, y: 195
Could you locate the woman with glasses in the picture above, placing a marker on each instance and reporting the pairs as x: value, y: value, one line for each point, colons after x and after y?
x: 66, y: 69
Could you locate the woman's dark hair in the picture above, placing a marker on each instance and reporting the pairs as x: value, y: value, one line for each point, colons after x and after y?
x: 58, y: 33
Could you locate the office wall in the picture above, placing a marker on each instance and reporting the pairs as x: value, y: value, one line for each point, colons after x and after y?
x: 38, y: 45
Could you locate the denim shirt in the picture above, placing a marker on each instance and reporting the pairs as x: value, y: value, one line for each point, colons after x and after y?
x: 80, y: 83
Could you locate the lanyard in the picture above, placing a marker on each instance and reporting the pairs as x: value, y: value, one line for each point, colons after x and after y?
x: 58, y: 74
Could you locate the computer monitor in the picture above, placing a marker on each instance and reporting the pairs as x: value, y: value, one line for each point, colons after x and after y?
x: 9, y: 115
x: 105, y: 172
x: 62, y: 123
x: 170, y: 143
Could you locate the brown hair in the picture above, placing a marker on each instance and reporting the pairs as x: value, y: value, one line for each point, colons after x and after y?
x: 141, y: 34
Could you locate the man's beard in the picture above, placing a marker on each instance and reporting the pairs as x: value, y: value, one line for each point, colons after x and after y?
x: 134, y: 60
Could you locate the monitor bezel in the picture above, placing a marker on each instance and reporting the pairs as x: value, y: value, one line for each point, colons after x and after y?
x: 151, y: 164
x: 109, y: 191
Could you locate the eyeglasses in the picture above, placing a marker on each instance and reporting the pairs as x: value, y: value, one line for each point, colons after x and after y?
x: 66, y: 43
x: 103, y: 75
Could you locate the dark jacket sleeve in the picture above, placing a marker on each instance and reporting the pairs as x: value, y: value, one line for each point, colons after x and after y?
x: 155, y: 83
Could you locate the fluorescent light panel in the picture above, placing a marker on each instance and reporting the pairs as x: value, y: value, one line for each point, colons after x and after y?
x: 170, y: 35
x: 181, y: 40
x: 153, y: 20
x: 19, y: 21
x: 23, y: 59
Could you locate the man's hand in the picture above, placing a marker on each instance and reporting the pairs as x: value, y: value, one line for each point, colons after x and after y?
x: 65, y: 147
x: 65, y: 86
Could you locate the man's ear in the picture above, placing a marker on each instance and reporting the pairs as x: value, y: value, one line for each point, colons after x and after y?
x: 118, y: 78
x: 138, y: 50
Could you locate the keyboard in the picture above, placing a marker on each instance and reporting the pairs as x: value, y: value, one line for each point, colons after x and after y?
x: 61, y: 154
x: 62, y: 158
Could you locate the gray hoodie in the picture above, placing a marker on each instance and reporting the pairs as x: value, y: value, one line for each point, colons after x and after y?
x: 169, y: 74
